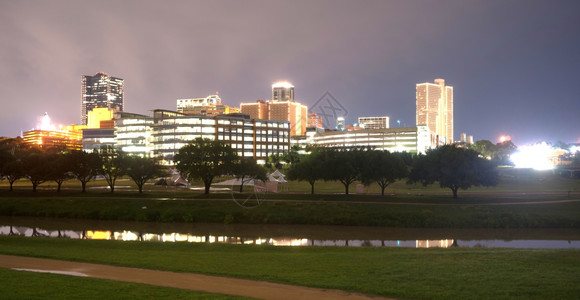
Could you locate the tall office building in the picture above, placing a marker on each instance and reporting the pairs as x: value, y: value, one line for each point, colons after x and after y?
x: 100, y: 90
x: 282, y: 91
x: 293, y: 112
x: 282, y: 107
x: 435, y: 108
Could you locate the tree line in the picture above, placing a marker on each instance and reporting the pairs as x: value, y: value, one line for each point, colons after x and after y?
x: 451, y: 166
x: 19, y: 160
x: 202, y: 159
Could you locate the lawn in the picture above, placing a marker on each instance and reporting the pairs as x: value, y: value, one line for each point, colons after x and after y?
x: 454, y: 273
x: 436, y: 211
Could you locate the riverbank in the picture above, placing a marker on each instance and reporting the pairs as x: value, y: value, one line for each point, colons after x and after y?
x: 391, y: 272
x: 476, y: 210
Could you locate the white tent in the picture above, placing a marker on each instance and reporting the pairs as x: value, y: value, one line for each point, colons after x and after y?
x: 277, y: 176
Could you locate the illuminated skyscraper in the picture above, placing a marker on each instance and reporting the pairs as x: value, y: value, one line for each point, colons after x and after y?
x: 282, y: 91
x: 435, y: 108
x: 101, y: 90
x: 282, y: 107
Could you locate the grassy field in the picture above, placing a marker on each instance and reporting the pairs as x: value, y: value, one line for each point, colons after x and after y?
x: 452, y: 273
x: 473, y: 211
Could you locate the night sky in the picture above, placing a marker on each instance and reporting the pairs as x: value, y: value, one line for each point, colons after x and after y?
x: 514, y: 65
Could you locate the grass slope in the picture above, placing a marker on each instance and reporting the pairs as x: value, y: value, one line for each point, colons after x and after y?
x: 402, y: 273
x: 400, y: 211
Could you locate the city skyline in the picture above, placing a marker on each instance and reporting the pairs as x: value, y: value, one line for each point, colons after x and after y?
x: 512, y: 64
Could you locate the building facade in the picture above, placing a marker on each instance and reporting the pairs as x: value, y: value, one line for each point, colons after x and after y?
x: 256, y: 110
x: 164, y: 133
x: 54, y: 139
x: 290, y: 111
x: 184, y: 104
x: 100, y: 117
x: 282, y: 107
x: 404, y: 139
x: 98, y: 138
x: 282, y: 91
x: 373, y: 122
x: 101, y: 90
x: 248, y: 137
x: 435, y: 108
x: 208, y: 106
x: 314, y: 120
x: 133, y: 133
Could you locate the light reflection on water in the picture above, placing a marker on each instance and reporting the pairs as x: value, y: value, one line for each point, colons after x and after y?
x: 180, y: 237
x: 286, y: 235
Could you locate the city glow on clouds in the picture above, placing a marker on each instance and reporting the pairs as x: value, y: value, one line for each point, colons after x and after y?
x: 369, y: 56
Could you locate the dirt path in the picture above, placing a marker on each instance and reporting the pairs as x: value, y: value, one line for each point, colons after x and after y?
x: 189, y: 281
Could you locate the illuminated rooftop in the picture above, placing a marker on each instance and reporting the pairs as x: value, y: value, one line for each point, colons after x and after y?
x: 282, y: 84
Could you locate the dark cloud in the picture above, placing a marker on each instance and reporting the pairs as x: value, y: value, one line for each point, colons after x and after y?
x: 513, y: 64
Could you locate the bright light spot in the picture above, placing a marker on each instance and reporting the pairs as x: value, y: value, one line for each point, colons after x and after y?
x: 98, y: 235
x: 504, y: 138
x: 282, y: 84
x: 45, y: 123
x: 539, y: 157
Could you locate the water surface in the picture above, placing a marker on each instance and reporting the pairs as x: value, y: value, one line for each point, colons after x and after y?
x: 290, y: 235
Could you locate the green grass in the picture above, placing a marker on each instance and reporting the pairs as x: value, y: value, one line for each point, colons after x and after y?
x: 454, y: 273
x: 396, y: 211
x: 32, y: 285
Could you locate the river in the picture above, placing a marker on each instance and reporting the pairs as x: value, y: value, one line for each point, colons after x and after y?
x: 290, y: 235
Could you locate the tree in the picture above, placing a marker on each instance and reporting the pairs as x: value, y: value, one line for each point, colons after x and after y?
x: 454, y: 168
x: 274, y: 162
x: 484, y: 147
x: 292, y: 156
x: 84, y: 166
x: 113, y: 165
x: 248, y: 169
x: 13, y: 170
x: 58, y: 169
x: 309, y: 168
x: 12, y: 151
x: 383, y: 168
x: 5, y: 157
x: 499, y: 153
x: 141, y: 170
x: 205, y: 159
x: 36, y: 167
x: 503, y: 152
x: 344, y: 166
